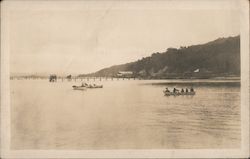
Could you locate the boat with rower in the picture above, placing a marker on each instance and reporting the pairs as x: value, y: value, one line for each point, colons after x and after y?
x: 79, y: 87
x: 85, y: 86
x: 178, y: 93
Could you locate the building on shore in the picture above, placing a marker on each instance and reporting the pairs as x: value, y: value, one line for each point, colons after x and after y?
x: 125, y: 74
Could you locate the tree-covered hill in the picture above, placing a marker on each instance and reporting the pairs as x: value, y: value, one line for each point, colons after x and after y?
x: 218, y: 58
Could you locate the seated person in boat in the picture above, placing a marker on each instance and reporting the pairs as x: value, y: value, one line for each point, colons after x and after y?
x: 175, y: 90
x: 167, y: 90
x: 182, y: 90
x: 191, y: 90
x: 84, y: 84
x: 186, y: 90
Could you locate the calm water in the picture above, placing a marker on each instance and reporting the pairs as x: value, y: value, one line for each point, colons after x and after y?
x: 129, y: 114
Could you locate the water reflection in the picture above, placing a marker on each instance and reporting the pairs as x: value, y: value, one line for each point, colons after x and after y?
x: 124, y: 115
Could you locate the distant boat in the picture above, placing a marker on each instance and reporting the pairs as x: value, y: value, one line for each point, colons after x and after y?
x: 85, y: 86
x: 79, y: 87
x: 178, y: 93
x: 91, y: 86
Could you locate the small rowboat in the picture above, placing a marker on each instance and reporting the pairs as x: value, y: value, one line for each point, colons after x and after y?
x: 178, y: 93
x: 79, y: 88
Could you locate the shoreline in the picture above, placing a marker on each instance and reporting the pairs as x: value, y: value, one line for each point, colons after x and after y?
x: 133, y: 78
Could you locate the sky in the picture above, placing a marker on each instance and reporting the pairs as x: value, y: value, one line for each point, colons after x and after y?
x: 79, y: 37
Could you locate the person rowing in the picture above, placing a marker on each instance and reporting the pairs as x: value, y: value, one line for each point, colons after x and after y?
x: 191, y: 89
x: 182, y: 90
x: 186, y: 90
x: 175, y: 90
x: 167, y: 90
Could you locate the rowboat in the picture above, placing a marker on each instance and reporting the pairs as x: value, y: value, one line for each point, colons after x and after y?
x: 94, y: 86
x: 178, y: 93
x: 79, y: 88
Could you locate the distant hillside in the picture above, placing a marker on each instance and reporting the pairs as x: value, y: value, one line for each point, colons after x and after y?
x: 218, y: 58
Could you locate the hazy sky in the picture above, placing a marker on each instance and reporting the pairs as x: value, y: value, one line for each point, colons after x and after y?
x: 82, y: 38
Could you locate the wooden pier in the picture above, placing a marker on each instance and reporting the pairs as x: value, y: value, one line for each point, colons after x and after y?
x: 77, y: 79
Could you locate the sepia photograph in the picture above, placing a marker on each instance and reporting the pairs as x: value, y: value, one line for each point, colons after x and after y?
x: 125, y: 79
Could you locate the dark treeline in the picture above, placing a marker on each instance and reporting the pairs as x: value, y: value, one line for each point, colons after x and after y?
x: 219, y: 58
